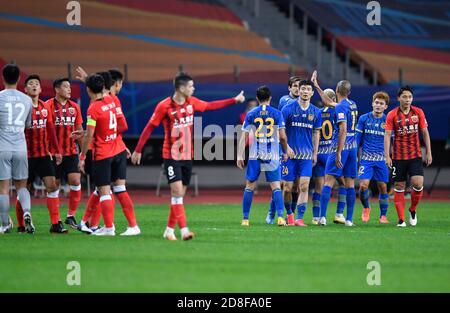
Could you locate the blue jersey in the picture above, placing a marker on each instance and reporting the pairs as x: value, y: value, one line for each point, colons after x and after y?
x: 285, y: 100
x: 264, y: 121
x: 300, y: 124
x: 326, y: 134
x: 370, y: 133
x: 346, y: 111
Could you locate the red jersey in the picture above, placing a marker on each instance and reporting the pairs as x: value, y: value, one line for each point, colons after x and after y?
x: 120, y: 117
x: 102, y: 115
x: 406, y: 132
x: 37, y: 137
x: 66, y: 118
x: 178, y: 122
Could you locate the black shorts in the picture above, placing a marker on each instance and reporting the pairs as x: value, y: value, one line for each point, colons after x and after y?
x: 110, y: 169
x: 68, y: 165
x: 403, y: 168
x: 41, y: 167
x: 178, y: 170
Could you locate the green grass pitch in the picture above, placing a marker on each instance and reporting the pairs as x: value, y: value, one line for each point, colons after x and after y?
x: 225, y: 257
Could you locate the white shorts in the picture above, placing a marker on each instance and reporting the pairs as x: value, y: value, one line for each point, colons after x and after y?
x: 13, y: 165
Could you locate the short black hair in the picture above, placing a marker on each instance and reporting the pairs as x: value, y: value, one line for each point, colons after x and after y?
x: 181, y: 80
x: 306, y: 82
x: 57, y: 83
x: 11, y: 73
x: 32, y: 76
x: 95, y: 83
x: 404, y: 88
x: 106, y: 78
x: 263, y: 93
x: 116, y: 75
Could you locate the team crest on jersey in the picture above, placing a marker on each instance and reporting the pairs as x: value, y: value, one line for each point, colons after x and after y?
x: 44, y: 112
x: 72, y: 111
x: 414, y: 118
x: 189, y: 109
x: 310, y: 117
x: 383, y: 125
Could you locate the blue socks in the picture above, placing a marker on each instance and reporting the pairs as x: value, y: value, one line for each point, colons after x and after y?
x: 247, y: 202
x: 287, y: 205
x: 342, y: 200
x: 324, y: 199
x: 364, y: 197
x: 316, y: 204
x: 301, y: 208
x: 277, y: 199
x: 384, y: 203
x: 351, y: 198
x: 272, y: 205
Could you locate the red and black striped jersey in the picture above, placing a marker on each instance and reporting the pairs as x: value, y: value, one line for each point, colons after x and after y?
x: 37, y: 137
x: 66, y: 118
x: 406, y: 132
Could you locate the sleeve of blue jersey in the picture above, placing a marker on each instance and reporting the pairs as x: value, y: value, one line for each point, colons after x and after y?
x: 340, y: 114
x: 285, y: 113
x: 360, y: 125
x: 280, y: 121
x: 247, y: 123
x: 318, y: 120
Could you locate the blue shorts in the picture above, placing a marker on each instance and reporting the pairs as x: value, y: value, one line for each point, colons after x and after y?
x: 294, y: 168
x: 349, y: 160
x: 270, y: 168
x: 377, y: 170
x: 319, y: 169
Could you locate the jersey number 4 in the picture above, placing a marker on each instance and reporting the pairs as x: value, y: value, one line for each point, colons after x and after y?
x: 112, y: 121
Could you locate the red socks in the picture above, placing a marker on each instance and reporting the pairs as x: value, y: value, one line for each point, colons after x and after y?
x: 53, y: 206
x: 107, y: 206
x: 399, y: 200
x: 74, y: 199
x: 19, y: 214
x: 127, y: 207
x: 180, y: 215
x: 91, y: 206
x: 416, y: 195
x: 172, y: 222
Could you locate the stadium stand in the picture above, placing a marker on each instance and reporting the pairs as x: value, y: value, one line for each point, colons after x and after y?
x: 152, y: 37
x: 419, y: 45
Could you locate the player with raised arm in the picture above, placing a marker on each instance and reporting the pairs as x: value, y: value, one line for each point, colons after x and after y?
x: 343, y: 162
x: 370, y: 137
x: 405, y: 121
x: 325, y: 149
x: 41, y: 136
x: 177, y: 115
x: 267, y: 125
x: 15, y: 116
x: 303, y: 123
x: 68, y: 118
